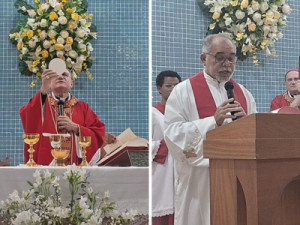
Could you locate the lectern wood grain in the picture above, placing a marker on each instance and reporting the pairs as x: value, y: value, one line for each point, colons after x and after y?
x: 255, y: 171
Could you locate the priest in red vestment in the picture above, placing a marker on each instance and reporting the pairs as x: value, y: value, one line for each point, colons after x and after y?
x: 285, y: 99
x: 41, y: 115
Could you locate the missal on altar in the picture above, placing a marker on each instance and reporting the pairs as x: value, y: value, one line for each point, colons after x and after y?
x: 118, y: 152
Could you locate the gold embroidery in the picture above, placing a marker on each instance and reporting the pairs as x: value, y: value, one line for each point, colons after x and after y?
x: 190, y: 153
x: 287, y: 97
x: 67, y: 143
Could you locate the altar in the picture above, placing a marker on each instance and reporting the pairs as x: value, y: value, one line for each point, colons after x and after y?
x: 128, y: 186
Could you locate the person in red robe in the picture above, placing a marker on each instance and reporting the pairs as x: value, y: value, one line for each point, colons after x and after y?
x: 41, y: 115
x: 285, y: 99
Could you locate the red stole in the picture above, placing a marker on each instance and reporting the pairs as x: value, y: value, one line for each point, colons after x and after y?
x: 160, y: 107
x: 204, y: 100
x: 162, y: 152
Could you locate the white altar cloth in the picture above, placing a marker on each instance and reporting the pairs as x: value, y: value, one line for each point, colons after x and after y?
x: 128, y: 186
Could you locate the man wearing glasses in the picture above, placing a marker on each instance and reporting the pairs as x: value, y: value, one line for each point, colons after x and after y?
x: 43, y: 114
x: 286, y: 99
x: 195, y: 106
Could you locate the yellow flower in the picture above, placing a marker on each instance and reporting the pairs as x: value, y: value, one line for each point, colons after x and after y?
x: 53, y: 41
x: 20, y: 45
x: 234, y: 3
x: 35, y: 63
x: 69, y: 40
x: 53, y: 16
x: 45, y: 54
x: 216, y: 15
x: 91, y: 16
x: 70, y: 11
x: 263, y: 43
x: 244, y: 4
x: 239, y: 36
x: 36, y: 1
x: 40, y: 12
x: 58, y: 47
x: 29, y: 34
x: 75, y: 16
x: 88, y: 24
x: 252, y: 27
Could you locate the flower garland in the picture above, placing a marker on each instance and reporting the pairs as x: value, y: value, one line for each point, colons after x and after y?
x: 54, y: 29
x: 42, y: 203
x: 252, y: 25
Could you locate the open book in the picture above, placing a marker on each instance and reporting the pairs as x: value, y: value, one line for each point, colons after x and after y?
x: 127, y: 140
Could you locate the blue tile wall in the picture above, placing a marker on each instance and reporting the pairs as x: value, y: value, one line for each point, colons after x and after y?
x: 178, y: 27
x: 119, y: 92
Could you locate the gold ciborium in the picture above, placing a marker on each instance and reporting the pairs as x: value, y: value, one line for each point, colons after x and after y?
x: 58, y: 154
x: 84, y: 141
x: 31, y: 139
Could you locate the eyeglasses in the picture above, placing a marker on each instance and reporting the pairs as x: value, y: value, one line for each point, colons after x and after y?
x: 220, y: 58
x: 290, y: 80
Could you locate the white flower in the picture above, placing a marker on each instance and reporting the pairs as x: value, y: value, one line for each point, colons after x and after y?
x: 80, y: 33
x: 51, y: 34
x: 24, y: 50
x: 257, y: 17
x: 60, y: 40
x: 31, y: 22
x: 264, y: 7
x: 43, y: 23
x: 228, y: 21
x: 255, y: 6
x: 68, y: 47
x: 239, y: 14
x: 53, y: 3
x: 60, y: 54
x: 73, y: 54
x: 31, y: 13
x: 55, y: 24
x: 46, y: 44
x: 44, y: 7
x: 82, y: 47
x: 62, y: 20
x: 286, y: 8
x: 64, y: 34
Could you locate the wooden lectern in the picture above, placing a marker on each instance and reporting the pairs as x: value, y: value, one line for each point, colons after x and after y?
x: 255, y: 170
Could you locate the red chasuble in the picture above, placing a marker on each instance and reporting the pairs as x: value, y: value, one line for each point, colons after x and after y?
x: 162, y: 152
x: 281, y: 101
x: 35, y: 121
x: 204, y: 100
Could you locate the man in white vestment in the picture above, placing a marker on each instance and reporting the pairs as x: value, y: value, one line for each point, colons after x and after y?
x: 195, y: 106
x: 162, y: 165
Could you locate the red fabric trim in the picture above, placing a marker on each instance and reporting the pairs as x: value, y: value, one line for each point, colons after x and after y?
x: 162, y: 153
x: 204, y: 100
x: 160, y: 107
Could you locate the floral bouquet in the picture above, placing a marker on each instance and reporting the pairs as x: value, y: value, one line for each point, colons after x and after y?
x: 252, y: 25
x: 54, y: 29
x: 42, y: 204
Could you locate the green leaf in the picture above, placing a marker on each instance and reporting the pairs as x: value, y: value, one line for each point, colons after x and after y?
x: 20, y: 4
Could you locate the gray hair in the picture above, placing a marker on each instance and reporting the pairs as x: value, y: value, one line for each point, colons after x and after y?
x: 207, y: 41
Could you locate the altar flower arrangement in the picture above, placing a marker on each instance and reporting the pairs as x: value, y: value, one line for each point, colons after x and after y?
x: 42, y: 203
x: 252, y: 24
x: 54, y: 29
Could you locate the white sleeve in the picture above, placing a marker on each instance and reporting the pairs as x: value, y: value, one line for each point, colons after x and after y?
x: 185, y: 132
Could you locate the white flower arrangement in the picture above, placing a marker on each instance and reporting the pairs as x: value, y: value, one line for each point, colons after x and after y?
x: 252, y: 25
x: 42, y: 204
x: 54, y: 29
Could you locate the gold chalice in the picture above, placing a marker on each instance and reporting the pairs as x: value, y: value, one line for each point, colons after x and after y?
x: 58, y: 154
x: 84, y: 141
x: 31, y: 139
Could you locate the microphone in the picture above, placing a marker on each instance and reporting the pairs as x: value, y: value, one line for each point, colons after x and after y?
x: 229, y: 88
x: 61, y: 105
